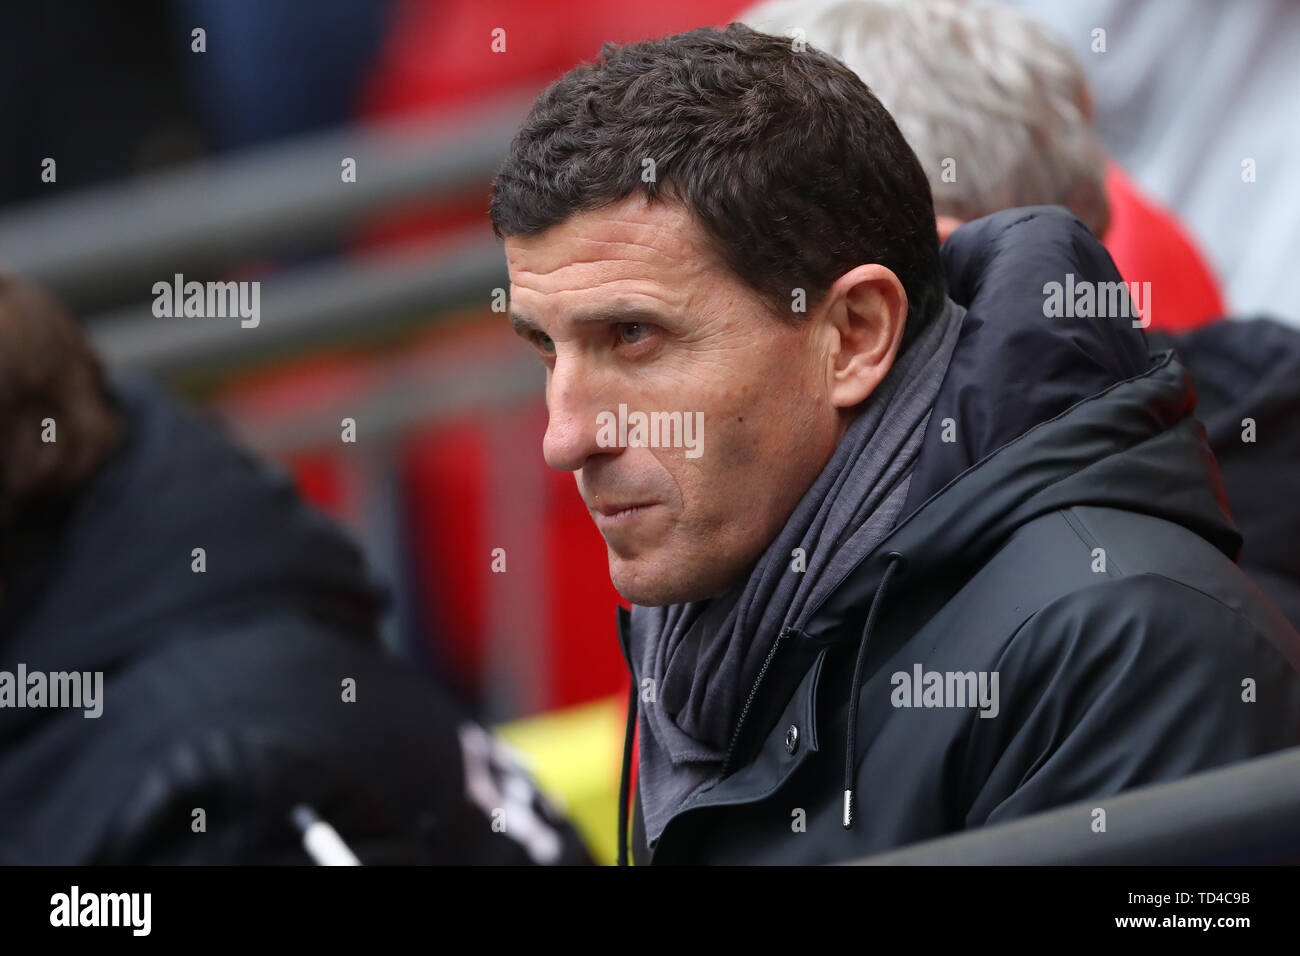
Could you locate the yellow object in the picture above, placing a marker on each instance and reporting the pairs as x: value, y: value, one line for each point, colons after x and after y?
x: 574, y: 756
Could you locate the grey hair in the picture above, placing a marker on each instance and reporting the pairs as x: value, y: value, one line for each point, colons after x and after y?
x: 980, y: 91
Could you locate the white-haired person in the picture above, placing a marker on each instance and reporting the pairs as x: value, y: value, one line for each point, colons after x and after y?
x: 1000, y: 114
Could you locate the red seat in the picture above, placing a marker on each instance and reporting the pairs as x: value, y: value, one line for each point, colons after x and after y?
x: 1149, y: 245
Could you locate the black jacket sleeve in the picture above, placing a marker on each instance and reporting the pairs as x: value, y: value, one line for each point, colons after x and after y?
x: 1138, y: 681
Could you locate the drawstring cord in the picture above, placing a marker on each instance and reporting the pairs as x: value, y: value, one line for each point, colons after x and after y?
x: 726, y: 760
x: 625, y: 777
x: 895, y: 559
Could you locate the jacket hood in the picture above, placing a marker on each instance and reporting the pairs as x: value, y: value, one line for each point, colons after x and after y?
x: 117, y: 574
x: 1013, y: 366
x: 1047, y: 413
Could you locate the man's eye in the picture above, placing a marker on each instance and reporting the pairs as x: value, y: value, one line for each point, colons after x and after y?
x: 544, y: 343
x: 629, y: 333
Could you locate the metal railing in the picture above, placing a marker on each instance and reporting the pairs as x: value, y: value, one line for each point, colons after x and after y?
x: 1247, y: 812
x: 115, y: 241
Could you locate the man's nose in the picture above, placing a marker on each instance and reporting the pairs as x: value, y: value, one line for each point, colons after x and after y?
x: 572, y: 426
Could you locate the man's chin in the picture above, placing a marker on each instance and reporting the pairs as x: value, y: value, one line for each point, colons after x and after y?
x: 656, y: 583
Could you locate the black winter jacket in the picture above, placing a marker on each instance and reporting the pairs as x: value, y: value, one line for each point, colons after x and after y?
x: 223, y: 690
x: 1073, y: 541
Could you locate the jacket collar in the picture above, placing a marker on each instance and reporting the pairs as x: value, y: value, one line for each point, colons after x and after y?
x: 1110, y: 449
x: 779, y: 756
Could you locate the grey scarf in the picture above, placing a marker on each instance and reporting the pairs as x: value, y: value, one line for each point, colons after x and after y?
x: 705, y: 655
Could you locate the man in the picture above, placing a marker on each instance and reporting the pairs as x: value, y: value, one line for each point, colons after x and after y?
x: 894, y: 491
x: 190, y: 668
x: 1000, y: 115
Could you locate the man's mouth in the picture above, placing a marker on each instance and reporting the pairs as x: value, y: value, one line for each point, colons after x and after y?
x: 612, y: 513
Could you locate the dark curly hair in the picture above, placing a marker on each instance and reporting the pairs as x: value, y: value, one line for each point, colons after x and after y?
x: 793, y: 167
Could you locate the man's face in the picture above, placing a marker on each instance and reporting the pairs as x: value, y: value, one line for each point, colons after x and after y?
x: 627, y: 306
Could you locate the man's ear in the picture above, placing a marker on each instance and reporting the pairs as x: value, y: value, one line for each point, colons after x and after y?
x: 866, y: 311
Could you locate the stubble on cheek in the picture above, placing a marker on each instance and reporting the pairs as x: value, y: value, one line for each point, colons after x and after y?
x: 762, y: 441
x: 722, y: 502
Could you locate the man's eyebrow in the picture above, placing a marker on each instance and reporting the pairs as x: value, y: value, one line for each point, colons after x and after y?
x: 525, y: 325
x: 522, y: 324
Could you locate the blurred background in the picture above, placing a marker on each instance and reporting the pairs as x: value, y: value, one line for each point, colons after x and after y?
x: 135, y: 148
